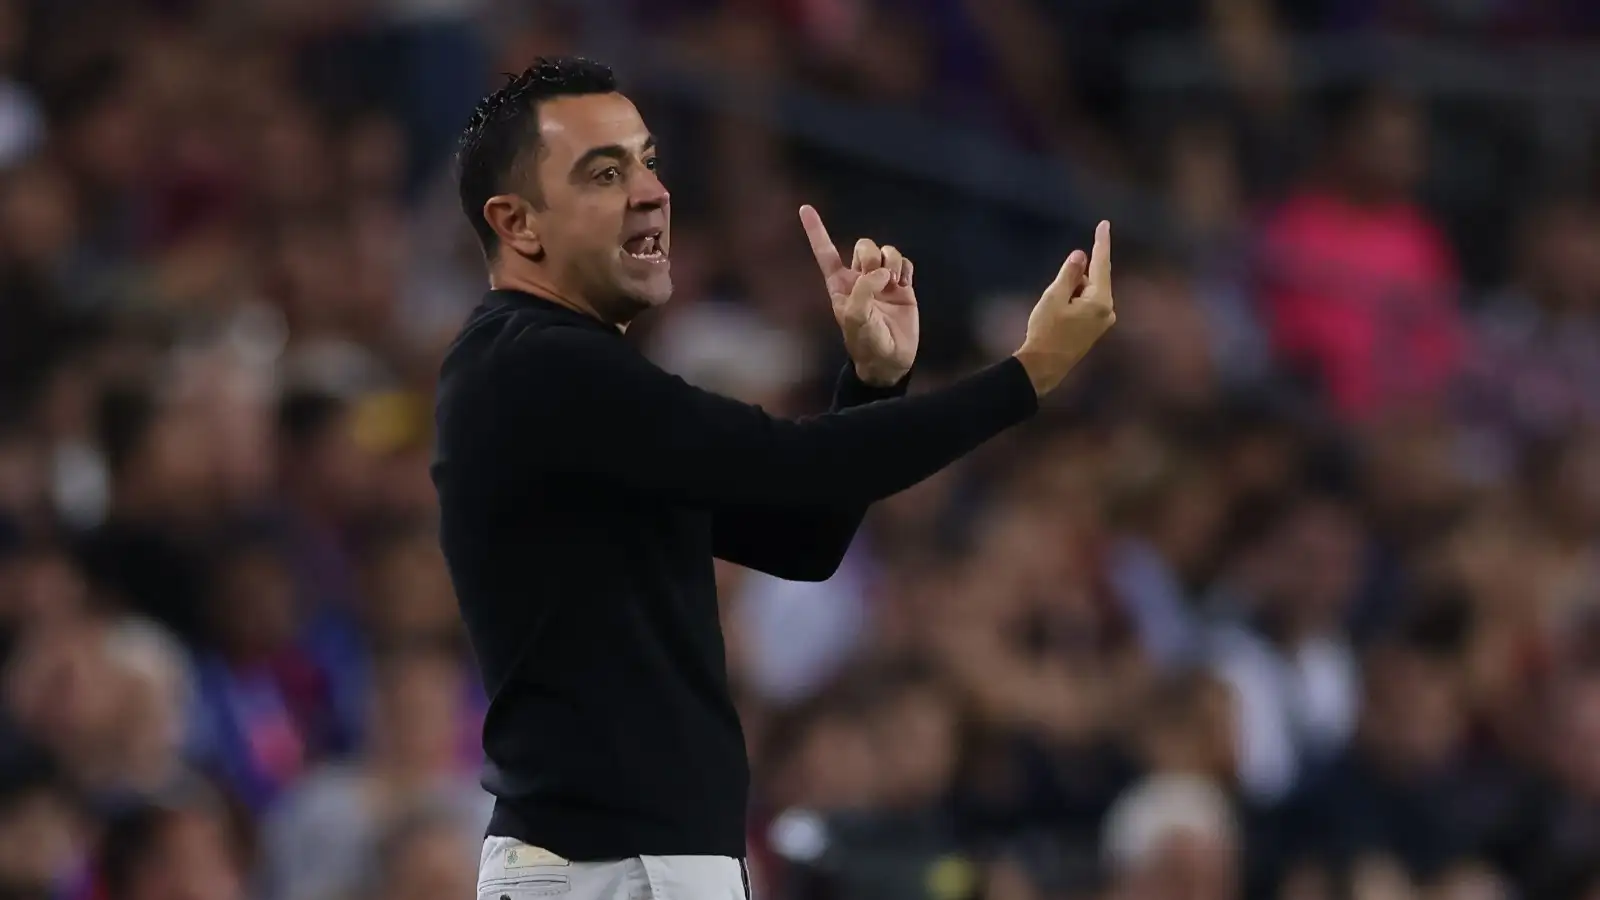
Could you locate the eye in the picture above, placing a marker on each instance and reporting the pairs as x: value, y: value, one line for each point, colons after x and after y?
x: 608, y: 175
x: 653, y: 163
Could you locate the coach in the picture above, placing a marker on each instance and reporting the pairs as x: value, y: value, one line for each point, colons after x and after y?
x: 585, y: 492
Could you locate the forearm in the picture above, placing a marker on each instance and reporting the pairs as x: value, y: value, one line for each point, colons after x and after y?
x: 859, y: 455
x: 627, y: 420
x: 802, y: 543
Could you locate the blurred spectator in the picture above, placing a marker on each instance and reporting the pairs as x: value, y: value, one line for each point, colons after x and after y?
x: 1361, y: 288
x: 1184, y: 726
x: 1539, y: 337
x: 869, y: 783
x: 1555, y: 846
x: 43, y: 836
x: 109, y: 700
x: 408, y: 601
x: 1411, y: 789
x: 322, y: 473
x: 1287, y: 657
x: 796, y: 636
x: 39, y: 587
x: 1170, y: 339
x: 148, y: 554
x: 326, y: 838
x: 21, y: 123
x: 322, y: 482
x: 177, y: 847
x: 266, y: 705
x: 1173, y: 520
x: 424, y: 856
x: 1173, y: 836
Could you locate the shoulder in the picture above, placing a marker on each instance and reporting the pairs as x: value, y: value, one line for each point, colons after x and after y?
x: 531, y: 341
x: 514, y: 375
x: 509, y: 343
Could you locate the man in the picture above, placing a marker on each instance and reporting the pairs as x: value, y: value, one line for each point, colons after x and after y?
x: 584, y: 492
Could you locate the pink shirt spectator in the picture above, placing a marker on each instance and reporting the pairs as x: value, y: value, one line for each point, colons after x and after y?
x: 1366, y: 298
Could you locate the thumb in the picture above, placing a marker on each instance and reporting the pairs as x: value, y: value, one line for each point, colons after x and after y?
x: 1071, y: 275
x: 867, y: 287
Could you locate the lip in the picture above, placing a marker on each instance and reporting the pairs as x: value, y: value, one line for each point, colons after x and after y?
x: 649, y: 262
x: 646, y: 231
x: 658, y: 233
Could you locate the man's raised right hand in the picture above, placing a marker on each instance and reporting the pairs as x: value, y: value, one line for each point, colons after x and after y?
x: 1071, y: 316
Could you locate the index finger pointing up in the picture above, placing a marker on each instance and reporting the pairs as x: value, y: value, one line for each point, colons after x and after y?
x: 1100, y: 258
x: 821, y: 245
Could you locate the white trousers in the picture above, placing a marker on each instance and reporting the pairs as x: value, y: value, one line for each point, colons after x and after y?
x: 512, y: 870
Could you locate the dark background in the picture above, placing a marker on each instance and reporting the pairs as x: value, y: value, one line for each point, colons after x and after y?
x: 1292, y: 594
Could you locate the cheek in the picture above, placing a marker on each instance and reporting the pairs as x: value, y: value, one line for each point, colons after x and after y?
x: 592, y: 251
x: 582, y: 222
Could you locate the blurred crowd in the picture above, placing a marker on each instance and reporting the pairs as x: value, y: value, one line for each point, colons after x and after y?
x: 1294, y: 595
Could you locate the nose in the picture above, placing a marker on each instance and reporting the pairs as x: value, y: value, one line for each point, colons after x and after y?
x: 648, y: 191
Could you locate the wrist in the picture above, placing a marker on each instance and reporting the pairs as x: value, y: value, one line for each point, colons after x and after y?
x: 879, y: 376
x: 1044, y: 369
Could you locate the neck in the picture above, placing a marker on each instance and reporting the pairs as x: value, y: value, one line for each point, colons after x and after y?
x: 538, y: 284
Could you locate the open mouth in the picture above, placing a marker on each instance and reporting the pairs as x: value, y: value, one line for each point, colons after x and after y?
x: 645, y: 247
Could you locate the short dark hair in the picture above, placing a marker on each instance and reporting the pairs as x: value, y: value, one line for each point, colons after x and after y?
x: 505, y: 126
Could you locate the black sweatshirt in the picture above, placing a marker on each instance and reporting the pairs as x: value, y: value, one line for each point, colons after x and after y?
x: 584, y: 493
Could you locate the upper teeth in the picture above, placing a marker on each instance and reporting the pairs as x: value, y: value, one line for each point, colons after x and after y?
x: 652, y: 247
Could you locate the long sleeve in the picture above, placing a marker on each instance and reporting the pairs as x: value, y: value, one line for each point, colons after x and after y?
x: 579, y: 487
x: 584, y: 403
x: 804, y: 543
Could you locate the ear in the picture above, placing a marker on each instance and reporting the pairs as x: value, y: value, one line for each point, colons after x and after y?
x: 514, y: 219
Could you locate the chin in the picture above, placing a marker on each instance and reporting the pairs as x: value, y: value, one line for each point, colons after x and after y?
x: 631, y: 299
x: 646, y: 282
x: 648, y: 293
x: 656, y: 296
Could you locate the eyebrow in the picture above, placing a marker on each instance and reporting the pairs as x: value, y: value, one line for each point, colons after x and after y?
x: 610, y: 151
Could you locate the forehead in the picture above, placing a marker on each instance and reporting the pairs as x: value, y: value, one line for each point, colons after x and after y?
x: 571, y: 126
